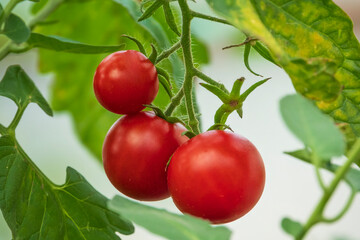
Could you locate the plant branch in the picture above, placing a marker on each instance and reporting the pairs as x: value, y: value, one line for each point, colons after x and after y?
x: 210, y: 18
x: 168, y: 52
x: 316, y: 216
x: 248, y: 40
x: 189, y: 66
x: 44, y: 12
x: 16, y: 120
x: 2, y: 130
x: 344, y: 210
x: 175, y: 101
x: 4, y: 50
x: 7, y: 10
x: 316, y: 160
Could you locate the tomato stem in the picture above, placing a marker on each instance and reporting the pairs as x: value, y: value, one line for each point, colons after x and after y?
x: 210, y: 18
x: 344, y: 210
x: 45, y: 12
x: 175, y: 101
x: 168, y: 52
x: 317, y: 215
x: 2, y: 130
x: 16, y: 120
x: 317, y: 161
x: 185, y: 42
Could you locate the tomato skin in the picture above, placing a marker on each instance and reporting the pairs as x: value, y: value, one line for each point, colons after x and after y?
x: 136, y: 151
x: 124, y: 81
x: 217, y: 175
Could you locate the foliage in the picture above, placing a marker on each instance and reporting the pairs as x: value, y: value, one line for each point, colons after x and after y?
x: 169, y: 225
x: 319, y: 51
x: 32, y: 205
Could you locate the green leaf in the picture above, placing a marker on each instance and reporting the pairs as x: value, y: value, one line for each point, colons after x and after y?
x: 153, y: 54
x: 61, y: 44
x: 165, y: 85
x: 35, y: 208
x: 16, y: 29
x: 246, y: 59
x: 150, y: 10
x: 223, y: 96
x: 302, y: 154
x: 315, y: 129
x: 138, y: 43
x: 169, y: 225
x: 313, y: 41
x: 352, y: 176
x: 17, y: 86
x: 264, y: 52
x: 170, y: 19
x: 291, y: 227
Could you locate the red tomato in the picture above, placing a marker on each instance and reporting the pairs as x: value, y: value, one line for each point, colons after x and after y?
x: 124, y: 81
x: 217, y: 175
x: 136, y: 151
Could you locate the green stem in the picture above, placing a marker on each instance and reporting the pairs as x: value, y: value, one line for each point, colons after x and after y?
x: 219, y: 114
x: 224, y: 117
x: 168, y: 52
x: 7, y: 10
x: 16, y: 120
x: 210, y: 18
x: 175, y: 101
x: 317, y: 162
x: 189, y: 74
x: 3, y: 130
x: 44, y: 12
x: 4, y: 50
x: 209, y: 80
x: 316, y: 216
x: 344, y: 210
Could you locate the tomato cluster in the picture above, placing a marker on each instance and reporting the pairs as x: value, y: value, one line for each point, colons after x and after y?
x: 216, y: 175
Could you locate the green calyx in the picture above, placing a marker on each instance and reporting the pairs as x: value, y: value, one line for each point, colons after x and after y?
x: 232, y: 101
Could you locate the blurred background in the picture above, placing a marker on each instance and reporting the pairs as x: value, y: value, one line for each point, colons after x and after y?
x: 291, y: 187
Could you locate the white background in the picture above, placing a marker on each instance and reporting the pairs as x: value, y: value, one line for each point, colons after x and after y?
x: 291, y: 187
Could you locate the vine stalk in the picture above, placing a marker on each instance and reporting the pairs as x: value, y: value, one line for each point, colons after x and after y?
x: 317, y: 215
x: 189, y: 65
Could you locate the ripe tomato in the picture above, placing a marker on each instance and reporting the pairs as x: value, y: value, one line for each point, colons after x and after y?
x: 217, y: 175
x: 136, y: 151
x: 124, y: 81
